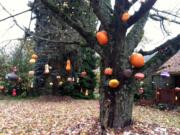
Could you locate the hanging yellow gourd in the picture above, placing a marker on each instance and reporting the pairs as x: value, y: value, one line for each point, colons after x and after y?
x: 125, y: 17
x: 60, y: 83
x: 114, y: 83
x: 46, y: 69
x: 68, y: 65
x: 32, y: 61
x: 34, y: 56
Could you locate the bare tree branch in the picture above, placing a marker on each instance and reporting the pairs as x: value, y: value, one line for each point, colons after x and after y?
x: 136, y: 34
x: 144, y: 9
x: 158, y: 17
x: 172, y: 44
x: 169, y: 48
x: 88, y: 36
x: 165, y: 12
x: 102, y: 10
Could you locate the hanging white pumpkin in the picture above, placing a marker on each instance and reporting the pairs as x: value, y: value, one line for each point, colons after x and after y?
x: 51, y: 83
x: 58, y: 77
x: 31, y: 73
x: 46, y: 71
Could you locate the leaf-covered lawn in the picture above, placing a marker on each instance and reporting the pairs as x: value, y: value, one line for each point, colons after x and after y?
x: 66, y: 116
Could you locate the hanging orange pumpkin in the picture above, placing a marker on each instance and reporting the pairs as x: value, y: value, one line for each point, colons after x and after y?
x: 102, y: 37
x: 114, y: 83
x: 108, y: 71
x: 34, y: 56
x: 68, y: 65
x: 32, y: 61
x: 137, y: 60
x: 125, y: 16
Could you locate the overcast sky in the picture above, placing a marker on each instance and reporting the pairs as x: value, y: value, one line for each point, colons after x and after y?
x: 152, y: 29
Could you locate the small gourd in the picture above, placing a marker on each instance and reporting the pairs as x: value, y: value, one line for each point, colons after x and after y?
x: 125, y: 16
x: 31, y: 73
x: 34, y: 56
x: 86, y: 93
x: 46, y: 67
x: 32, y: 61
x: 108, y: 71
x: 68, y: 65
x: 83, y: 74
x: 137, y: 60
x: 114, y: 83
x: 102, y: 37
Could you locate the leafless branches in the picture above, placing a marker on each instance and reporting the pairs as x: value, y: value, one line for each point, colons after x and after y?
x: 172, y: 44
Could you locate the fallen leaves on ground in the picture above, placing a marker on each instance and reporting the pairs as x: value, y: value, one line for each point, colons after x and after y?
x: 65, y: 116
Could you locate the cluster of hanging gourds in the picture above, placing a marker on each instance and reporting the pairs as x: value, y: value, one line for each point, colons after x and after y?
x: 47, y: 68
x: 33, y: 60
x: 136, y: 59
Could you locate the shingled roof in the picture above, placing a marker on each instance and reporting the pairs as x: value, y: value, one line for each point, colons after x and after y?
x: 172, y: 65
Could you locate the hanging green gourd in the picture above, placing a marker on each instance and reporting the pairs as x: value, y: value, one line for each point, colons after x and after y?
x: 102, y: 37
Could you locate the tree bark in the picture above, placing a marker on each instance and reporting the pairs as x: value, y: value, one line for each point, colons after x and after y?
x: 116, y: 104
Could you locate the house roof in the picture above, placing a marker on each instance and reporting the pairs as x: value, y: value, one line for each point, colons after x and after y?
x: 172, y: 65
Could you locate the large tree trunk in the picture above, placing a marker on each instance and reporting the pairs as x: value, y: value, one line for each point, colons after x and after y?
x: 116, y: 104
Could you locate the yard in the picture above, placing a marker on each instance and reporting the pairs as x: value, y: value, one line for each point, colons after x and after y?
x: 66, y: 116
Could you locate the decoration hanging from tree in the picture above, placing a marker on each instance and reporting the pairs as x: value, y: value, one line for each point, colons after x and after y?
x: 46, y: 69
x: 127, y: 73
x: 14, y: 92
x: 68, y: 65
x: 34, y: 56
x: 83, y: 74
x: 125, y: 16
x: 165, y: 74
x: 108, y: 71
x: 114, y: 83
x: 32, y: 61
x: 2, y: 88
x: 137, y: 60
x: 102, y: 37
x: 31, y: 73
x: 12, y: 77
x: 139, y: 76
x: 141, y: 90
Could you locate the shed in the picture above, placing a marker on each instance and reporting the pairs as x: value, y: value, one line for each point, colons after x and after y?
x: 168, y: 88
